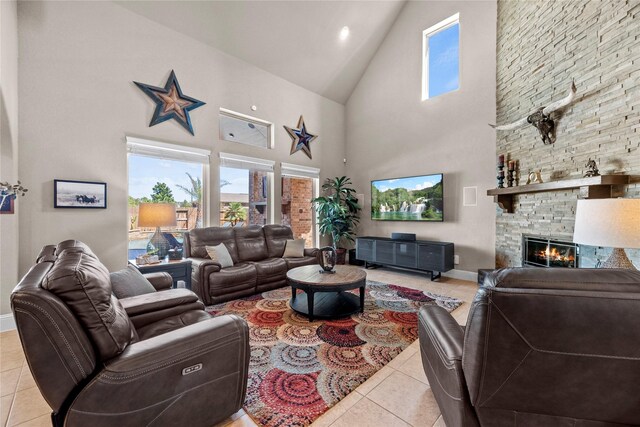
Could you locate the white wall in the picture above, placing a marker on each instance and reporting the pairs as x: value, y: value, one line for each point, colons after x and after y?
x: 392, y: 133
x: 8, y: 147
x: 77, y: 102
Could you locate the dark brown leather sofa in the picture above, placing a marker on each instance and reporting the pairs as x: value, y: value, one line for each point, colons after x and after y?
x: 158, y: 359
x: 258, y: 265
x: 542, y: 347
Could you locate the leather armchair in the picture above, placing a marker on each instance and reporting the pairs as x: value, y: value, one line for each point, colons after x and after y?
x: 149, y: 313
x: 150, y: 301
x: 197, y: 379
x: 541, y: 347
x: 94, y: 366
x: 160, y: 280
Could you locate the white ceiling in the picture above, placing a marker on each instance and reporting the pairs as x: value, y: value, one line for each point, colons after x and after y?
x: 296, y: 40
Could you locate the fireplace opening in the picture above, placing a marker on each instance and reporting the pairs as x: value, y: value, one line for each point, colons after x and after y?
x: 548, y: 252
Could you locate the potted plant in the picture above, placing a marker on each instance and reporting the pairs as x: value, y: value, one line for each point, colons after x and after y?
x: 338, y: 213
x: 8, y: 193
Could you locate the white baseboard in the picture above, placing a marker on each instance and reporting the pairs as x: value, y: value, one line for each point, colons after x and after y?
x: 454, y: 274
x: 7, y: 323
x: 462, y: 275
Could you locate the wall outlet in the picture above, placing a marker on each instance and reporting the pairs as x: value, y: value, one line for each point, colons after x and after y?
x: 456, y: 259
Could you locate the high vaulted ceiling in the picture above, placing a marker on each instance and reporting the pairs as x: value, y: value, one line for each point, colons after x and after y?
x: 296, y: 40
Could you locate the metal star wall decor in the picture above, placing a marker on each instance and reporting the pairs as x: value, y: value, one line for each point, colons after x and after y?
x: 171, y: 103
x: 300, y: 138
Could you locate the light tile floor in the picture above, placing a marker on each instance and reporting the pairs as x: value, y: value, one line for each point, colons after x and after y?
x: 397, y: 395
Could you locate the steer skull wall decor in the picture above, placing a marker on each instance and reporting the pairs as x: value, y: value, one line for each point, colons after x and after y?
x: 541, y: 118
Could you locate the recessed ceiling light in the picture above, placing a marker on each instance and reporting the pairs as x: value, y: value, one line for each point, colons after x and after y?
x: 344, y: 33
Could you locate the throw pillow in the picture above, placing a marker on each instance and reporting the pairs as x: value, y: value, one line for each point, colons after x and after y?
x: 220, y: 254
x: 129, y: 282
x: 294, y: 249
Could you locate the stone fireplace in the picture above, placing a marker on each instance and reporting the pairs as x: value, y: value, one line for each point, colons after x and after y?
x: 534, y: 68
x: 545, y: 252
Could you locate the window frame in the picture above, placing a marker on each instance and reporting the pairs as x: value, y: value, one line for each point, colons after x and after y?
x: 434, y: 29
x: 172, y: 152
x: 263, y: 165
x: 156, y: 149
x: 239, y: 116
x: 298, y: 171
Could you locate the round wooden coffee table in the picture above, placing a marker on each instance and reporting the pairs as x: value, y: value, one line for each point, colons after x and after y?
x: 325, y: 295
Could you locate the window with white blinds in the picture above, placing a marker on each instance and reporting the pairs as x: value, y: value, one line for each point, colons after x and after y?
x: 300, y: 185
x: 149, y: 148
x: 246, y: 194
x: 160, y: 172
x: 243, y: 162
x: 289, y: 169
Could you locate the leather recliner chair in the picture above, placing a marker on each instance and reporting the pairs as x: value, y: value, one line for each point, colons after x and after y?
x: 541, y: 347
x: 95, y: 367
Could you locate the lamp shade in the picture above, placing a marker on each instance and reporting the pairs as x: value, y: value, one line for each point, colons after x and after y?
x: 156, y: 215
x: 612, y: 223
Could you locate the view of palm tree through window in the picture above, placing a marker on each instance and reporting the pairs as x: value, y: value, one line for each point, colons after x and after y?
x: 243, y: 197
x: 158, y: 180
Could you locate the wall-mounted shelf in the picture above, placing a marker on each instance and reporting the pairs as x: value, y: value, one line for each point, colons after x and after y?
x: 595, y: 187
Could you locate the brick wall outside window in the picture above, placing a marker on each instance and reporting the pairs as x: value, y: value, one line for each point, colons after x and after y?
x: 297, y: 210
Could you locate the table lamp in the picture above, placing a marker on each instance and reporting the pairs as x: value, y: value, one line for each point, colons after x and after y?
x: 612, y: 223
x: 157, y: 215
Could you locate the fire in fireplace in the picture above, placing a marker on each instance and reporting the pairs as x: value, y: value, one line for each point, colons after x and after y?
x: 548, y: 252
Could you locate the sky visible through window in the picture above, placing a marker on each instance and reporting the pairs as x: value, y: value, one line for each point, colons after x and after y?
x: 444, y: 61
x: 238, y: 180
x: 145, y: 172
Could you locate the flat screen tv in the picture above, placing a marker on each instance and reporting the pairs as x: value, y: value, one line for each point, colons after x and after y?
x: 415, y: 198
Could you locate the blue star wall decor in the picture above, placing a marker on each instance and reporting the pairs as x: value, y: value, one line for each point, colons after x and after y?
x: 300, y: 138
x: 171, y: 103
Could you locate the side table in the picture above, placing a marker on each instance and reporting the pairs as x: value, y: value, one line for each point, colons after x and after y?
x: 179, y: 270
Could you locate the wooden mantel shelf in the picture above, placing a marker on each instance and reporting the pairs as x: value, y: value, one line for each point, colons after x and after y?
x: 595, y: 187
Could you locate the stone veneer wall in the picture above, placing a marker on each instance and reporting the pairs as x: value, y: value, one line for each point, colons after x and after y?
x: 541, y: 47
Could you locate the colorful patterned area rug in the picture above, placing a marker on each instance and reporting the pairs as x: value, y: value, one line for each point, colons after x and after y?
x: 299, y: 369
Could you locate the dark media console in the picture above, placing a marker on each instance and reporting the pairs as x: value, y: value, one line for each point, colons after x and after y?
x: 421, y: 255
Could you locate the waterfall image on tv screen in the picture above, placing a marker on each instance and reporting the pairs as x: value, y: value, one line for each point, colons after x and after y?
x: 416, y: 198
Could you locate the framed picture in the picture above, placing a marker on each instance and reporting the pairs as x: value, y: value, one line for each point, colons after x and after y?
x: 6, y: 203
x: 79, y: 194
